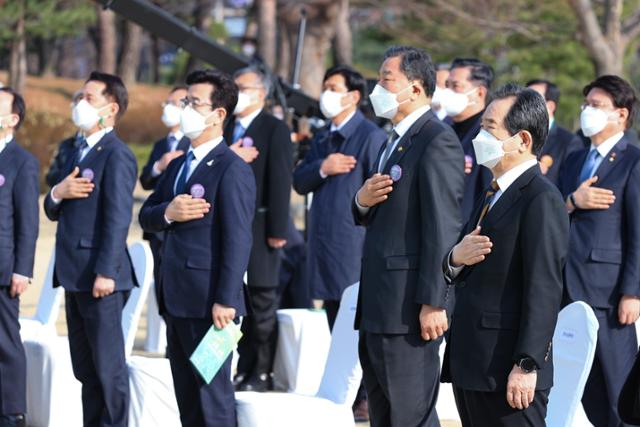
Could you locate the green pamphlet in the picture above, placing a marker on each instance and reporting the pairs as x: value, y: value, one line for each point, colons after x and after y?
x: 213, y: 350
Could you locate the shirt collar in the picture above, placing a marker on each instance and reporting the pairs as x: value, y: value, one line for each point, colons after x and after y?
x: 247, y: 120
x: 201, y: 151
x: 94, y: 138
x: 403, y: 126
x: 5, y: 141
x: 510, y: 176
x: 344, y: 122
x: 608, y: 144
x: 178, y: 135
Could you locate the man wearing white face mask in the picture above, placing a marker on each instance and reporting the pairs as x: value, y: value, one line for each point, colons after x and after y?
x: 507, y: 273
x: 411, y: 210
x: 93, y: 206
x: 464, y: 100
x: 601, y: 185
x: 437, y: 101
x: 264, y: 142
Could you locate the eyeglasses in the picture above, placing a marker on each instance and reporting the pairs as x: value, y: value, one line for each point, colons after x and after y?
x: 185, y: 102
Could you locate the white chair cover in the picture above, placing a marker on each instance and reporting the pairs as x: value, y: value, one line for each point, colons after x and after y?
x: 156, y: 341
x: 153, y: 400
x: 142, y: 260
x: 574, y: 346
x: 340, y: 382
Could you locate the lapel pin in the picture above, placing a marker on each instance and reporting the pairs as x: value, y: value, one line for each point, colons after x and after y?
x: 400, y: 149
x: 612, y: 157
x: 247, y: 142
x: 197, y: 191
x: 395, y: 173
x: 2, y: 180
x: 100, y: 148
x: 210, y: 162
x: 88, y: 174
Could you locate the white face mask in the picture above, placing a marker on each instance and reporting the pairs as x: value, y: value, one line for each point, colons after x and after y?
x: 248, y: 49
x: 489, y: 149
x: 455, y: 103
x: 385, y: 103
x: 437, y: 98
x: 84, y: 115
x: 331, y: 103
x: 593, y: 120
x: 171, y: 115
x: 192, y: 123
x: 244, y: 101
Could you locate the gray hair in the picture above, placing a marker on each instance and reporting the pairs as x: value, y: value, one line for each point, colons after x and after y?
x: 264, y: 80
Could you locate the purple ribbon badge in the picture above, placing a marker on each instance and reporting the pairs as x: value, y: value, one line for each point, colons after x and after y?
x: 88, y: 174
x: 247, y: 142
x: 2, y: 180
x: 197, y: 191
x: 396, y: 173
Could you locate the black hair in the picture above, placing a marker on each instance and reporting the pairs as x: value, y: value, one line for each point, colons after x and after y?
x: 620, y: 90
x: 114, y: 89
x: 18, y: 107
x: 551, y: 90
x: 528, y: 112
x: 224, y: 93
x: 353, y: 80
x: 480, y: 72
x: 415, y: 64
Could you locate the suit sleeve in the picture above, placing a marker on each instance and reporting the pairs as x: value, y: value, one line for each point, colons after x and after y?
x: 25, y: 196
x: 630, y: 284
x: 147, y: 180
x: 306, y: 177
x: 151, y: 216
x: 117, y: 201
x: 236, y: 207
x: 279, y: 168
x: 543, y: 254
x: 375, y: 142
x: 51, y: 209
x: 441, y: 187
x: 56, y: 168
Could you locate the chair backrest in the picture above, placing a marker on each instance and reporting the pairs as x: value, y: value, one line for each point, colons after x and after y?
x: 50, y: 297
x: 342, y: 372
x: 574, y: 346
x: 142, y: 260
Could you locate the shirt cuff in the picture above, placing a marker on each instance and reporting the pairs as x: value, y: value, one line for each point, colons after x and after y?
x: 20, y: 276
x: 53, y: 198
x: 452, y: 272
x: 361, y: 209
x: 155, y: 172
x: 167, y: 220
x: 322, y: 174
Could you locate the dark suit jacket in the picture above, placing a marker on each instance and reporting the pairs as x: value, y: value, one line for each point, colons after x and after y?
x: 160, y: 148
x: 19, y: 206
x: 335, y: 242
x: 560, y: 143
x: 272, y: 170
x: 507, y: 306
x: 66, y: 150
x: 92, y: 233
x: 604, y: 251
x: 408, y: 234
x: 204, y: 260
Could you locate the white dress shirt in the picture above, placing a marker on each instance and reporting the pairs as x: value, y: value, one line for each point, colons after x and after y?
x: 177, y: 137
x: 247, y: 120
x: 401, y: 128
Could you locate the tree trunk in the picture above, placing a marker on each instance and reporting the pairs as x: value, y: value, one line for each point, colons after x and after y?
x: 342, y: 44
x: 130, y: 57
x: 108, y: 41
x: 267, y: 31
x: 155, y: 59
x: 48, y: 54
x: 18, y: 62
x: 202, y: 16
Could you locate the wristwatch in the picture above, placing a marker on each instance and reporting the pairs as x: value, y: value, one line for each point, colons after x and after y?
x: 527, y: 364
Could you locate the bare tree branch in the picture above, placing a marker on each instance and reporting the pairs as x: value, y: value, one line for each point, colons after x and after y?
x: 631, y: 27
x: 613, y: 13
x: 595, y: 41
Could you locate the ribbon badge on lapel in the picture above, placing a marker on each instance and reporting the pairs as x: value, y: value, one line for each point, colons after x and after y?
x: 2, y: 180
x: 210, y: 162
x: 612, y: 157
x: 197, y: 191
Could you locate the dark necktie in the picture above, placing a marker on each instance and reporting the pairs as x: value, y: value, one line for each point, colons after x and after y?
x: 82, y: 145
x: 182, y: 179
x: 587, y: 168
x: 488, y: 198
x: 393, y: 135
x: 173, y: 143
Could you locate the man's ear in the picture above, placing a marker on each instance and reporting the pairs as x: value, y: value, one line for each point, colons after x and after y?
x: 527, y: 139
x: 113, y: 109
x: 624, y: 114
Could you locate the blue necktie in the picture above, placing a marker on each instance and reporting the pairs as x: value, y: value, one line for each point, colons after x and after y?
x: 173, y: 143
x: 82, y: 144
x: 182, y: 179
x: 238, y: 132
x: 587, y: 168
x: 393, y: 135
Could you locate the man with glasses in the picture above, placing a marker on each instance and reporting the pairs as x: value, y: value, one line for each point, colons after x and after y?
x: 264, y: 142
x: 204, y: 203
x: 601, y: 186
x: 93, y: 206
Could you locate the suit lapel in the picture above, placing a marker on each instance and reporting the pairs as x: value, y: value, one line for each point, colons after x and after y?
x: 183, y: 144
x: 582, y: 158
x: 406, y: 141
x: 6, y: 156
x: 611, y: 160
x: 206, y: 165
x: 96, y: 150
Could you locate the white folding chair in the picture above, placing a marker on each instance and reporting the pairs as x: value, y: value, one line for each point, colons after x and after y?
x: 44, y: 321
x: 331, y: 406
x: 574, y: 346
x: 142, y: 260
x: 156, y: 340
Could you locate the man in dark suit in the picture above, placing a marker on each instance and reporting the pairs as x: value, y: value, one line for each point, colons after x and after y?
x: 93, y: 207
x: 560, y: 142
x: 265, y: 143
x: 469, y: 83
x: 204, y: 204
x: 507, y: 272
x: 19, y: 206
x: 341, y: 158
x: 601, y: 185
x: 164, y: 151
x: 411, y: 210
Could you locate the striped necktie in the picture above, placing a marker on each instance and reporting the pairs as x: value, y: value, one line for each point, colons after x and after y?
x: 488, y: 198
x: 393, y: 135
